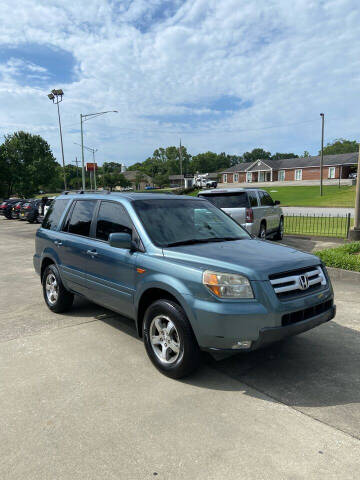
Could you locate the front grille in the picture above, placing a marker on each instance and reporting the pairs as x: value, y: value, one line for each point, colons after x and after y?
x: 300, y: 315
x: 297, y: 282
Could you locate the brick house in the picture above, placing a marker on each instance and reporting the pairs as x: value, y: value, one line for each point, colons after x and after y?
x: 291, y: 169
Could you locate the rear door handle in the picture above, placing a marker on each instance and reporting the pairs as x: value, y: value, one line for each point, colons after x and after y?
x: 58, y: 243
x: 93, y: 253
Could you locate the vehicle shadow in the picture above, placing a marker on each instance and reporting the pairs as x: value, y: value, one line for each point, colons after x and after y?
x: 318, y: 368
x: 315, y: 369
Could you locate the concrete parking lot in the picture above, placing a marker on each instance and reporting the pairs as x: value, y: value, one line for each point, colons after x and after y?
x: 80, y: 400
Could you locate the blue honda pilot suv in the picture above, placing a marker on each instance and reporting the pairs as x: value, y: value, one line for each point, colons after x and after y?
x: 189, y: 276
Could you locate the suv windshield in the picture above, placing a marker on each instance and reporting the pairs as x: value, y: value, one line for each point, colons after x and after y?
x: 228, y: 200
x: 174, y: 222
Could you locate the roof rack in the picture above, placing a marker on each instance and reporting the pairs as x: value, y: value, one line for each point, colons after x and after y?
x: 74, y: 192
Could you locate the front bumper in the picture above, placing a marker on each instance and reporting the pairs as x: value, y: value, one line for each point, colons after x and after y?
x: 222, y: 325
x: 274, y: 334
x: 270, y: 335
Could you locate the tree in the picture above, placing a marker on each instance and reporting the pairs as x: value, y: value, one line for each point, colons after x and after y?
x: 161, y: 180
x: 306, y: 154
x: 139, y: 178
x: 340, y: 145
x: 112, y: 180
x: 28, y: 163
x: 256, y: 154
x: 111, y: 167
x: 280, y: 156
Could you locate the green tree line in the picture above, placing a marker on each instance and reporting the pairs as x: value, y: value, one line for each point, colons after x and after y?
x: 27, y: 165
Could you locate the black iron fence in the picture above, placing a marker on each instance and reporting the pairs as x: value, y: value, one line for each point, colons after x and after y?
x: 323, y: 225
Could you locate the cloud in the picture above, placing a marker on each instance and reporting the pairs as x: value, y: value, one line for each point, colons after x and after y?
x: 226, y: 76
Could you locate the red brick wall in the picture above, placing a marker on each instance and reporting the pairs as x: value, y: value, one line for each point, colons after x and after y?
x: 310, y: 173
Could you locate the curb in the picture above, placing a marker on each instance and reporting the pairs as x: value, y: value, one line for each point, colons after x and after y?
x: 346, y: 275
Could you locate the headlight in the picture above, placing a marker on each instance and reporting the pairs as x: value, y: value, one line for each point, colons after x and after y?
x: 227, y: 285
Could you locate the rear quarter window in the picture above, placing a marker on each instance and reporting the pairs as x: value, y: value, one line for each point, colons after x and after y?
x: 228, y: 200
x: 54, y: 214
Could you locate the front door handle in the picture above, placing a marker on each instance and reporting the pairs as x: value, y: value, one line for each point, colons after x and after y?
x: 58, y: 243
x: 93, y: 253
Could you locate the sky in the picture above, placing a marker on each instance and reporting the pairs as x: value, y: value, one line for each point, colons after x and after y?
x: 225, y: 76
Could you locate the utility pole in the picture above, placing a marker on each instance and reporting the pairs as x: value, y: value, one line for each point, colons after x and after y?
x: 92, y: 173
x: 180, y: 156
x: 340, y: 174
x: 84, y: 118
x: 82, y: 153
x: 77, y: 172
x: 322, y: 153
x: 56, y: 96
x: 93, y: 152
x: 355, y: 232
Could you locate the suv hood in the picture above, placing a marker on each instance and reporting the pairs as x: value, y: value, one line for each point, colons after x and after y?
x: 257, y: 259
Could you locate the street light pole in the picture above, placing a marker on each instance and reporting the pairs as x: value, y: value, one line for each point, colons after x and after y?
x: 180, y: 157
x: 322, y: 153
x: 84, y: 118
x: 82, y: 153
x: 93, y: 152
x: 56, y: 97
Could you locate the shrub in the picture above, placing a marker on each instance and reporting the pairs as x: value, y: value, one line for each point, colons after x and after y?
x: 347, y: 256
x: 185, y: 191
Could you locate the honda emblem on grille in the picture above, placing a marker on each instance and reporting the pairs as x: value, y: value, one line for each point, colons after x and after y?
x: 303, y: 282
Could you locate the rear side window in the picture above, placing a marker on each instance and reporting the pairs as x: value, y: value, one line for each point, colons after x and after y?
x: 253, y: 199
x: 79, y: 221
x: 228, y: 200
x: 265, y: 199
x: 112, y: 218
x: 54, y: 213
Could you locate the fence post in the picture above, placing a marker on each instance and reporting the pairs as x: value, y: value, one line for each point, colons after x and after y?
x: 348, y: 225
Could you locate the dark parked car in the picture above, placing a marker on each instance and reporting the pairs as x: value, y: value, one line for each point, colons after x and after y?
x: 189, y: 276
x: 6, y: 207
x: 30, y: 210
x: 15, y: 211
x: 34, y: 210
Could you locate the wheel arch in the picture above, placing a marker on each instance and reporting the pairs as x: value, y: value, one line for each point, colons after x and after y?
x: 46, y: 261
x: 148, y: 297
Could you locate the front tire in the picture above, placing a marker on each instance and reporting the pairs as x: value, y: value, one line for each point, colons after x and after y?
x: 57, y: 298
x: 169, y: 340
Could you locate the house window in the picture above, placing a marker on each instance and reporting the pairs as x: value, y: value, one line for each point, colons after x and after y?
x: 236, y: 177
x: 331, y: 172
x: 225, y: 177
x: 281, y: 175
x: 298, y: 174
x: 249, y: 177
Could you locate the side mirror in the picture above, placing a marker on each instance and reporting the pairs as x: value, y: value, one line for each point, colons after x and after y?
x: 277, y: 202
x: 121, y: 240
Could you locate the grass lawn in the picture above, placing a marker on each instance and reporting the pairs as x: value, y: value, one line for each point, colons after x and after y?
x: 47, y: 195
x: 347, y: 256
x: 317, y: 226
x: 309, y: 196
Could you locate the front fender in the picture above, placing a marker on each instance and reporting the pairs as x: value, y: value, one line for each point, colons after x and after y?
x: 173, y: 286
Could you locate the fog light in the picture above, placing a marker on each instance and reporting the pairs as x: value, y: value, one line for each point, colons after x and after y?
x: 245, y: 344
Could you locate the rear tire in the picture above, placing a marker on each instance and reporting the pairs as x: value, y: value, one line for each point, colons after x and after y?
x: 262, y: 232
x: 57, y: 298
x: 280, y: 232
x: 169, y: 340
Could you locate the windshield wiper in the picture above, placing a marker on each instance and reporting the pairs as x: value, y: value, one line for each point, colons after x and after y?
x: 193, y: 241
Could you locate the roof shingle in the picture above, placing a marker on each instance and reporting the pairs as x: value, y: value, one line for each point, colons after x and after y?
x: 301, y: 162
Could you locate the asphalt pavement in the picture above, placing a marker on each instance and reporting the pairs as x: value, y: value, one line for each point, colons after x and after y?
x: 80, y: 400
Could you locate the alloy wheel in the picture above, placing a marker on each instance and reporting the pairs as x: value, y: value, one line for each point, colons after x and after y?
x: 164, y: 339
x: 52, y: 289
